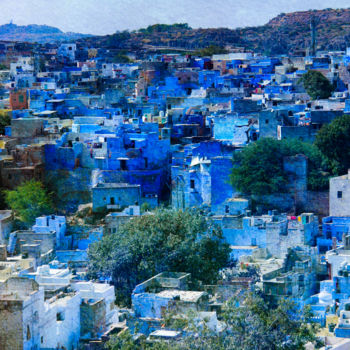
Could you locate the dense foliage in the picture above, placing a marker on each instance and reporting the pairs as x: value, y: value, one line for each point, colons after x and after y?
x: 210, y: 50
x: 28, y: 201
x: 121, y: 57
x: 5, y: 120
x: 252, y: 325
x: 158, y: 28
x: 317, y: 85
x: 118, y: 39
x: 169, y: 240
x: 333, y: 140
x: 258, y: 168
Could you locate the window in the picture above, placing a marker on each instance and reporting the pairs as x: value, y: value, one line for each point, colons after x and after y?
x: 266, y: 121
x: 192, y: 183
x: 60, y: 316
x: 123, y: 164
x: 28, y: 333
x: 21, y: 98
x: 340, y: 194
x: 112, y: 201
x: 227, y: 209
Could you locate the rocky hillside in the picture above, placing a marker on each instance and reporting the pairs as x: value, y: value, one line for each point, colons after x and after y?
x: 286, y: 33
x: 35, y: 33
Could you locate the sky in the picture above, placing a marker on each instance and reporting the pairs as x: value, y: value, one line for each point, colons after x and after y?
x: 108, y: 16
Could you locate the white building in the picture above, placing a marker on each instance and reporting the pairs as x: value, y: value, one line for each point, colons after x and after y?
x: 50, y: 223
x: 338, y: 257
x: 60, y: 322
x: 24, y: 65
x: 28, y: 321
x: 67, y: 51
x: 98, y: 291
x: 339, y: 195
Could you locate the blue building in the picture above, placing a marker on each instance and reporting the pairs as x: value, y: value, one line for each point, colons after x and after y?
x: 200, y: 175
x: 115, y: 196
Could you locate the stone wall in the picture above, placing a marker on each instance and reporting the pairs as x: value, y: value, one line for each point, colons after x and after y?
x: 317, y: 202
x: 71, y: 188
x: 92, y: 318
x: 46, y: 241
x: 28, y: 127
x: 11, y: 326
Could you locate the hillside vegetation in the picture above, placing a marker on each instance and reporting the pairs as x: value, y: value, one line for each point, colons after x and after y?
x: 286, y: 33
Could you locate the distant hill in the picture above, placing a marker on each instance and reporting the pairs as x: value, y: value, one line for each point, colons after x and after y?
x: 35, y: 33
x: 286, y: 33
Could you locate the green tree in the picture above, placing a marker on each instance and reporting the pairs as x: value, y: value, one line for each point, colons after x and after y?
x: 258, y: 168
x: 316, y: 85
x: 255, y: 325
x: 5, y: 120
x: 168, y: 240
x: 210, y: 50
x: 28, y: 201
x: 118, y: 39
x: 333, y: 140
x: 121, y: 57
x: 158, y: 28
x: 248, y: 324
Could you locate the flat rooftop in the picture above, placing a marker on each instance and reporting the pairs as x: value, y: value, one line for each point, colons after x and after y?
x: 187, y: 296
x: 115, y: 185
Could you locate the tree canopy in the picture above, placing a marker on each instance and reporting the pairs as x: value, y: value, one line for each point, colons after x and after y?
x: 210, y: 50
x: 333, y: 140
x: 29, y: 200
x: 317, y: 85
x: 168, y: 240
x: 5, y: 120
x: 158, y: 28
x: 248, y: 324
x: 258, y: 168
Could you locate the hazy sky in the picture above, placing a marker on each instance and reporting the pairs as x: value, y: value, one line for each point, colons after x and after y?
x: 108, y: 16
